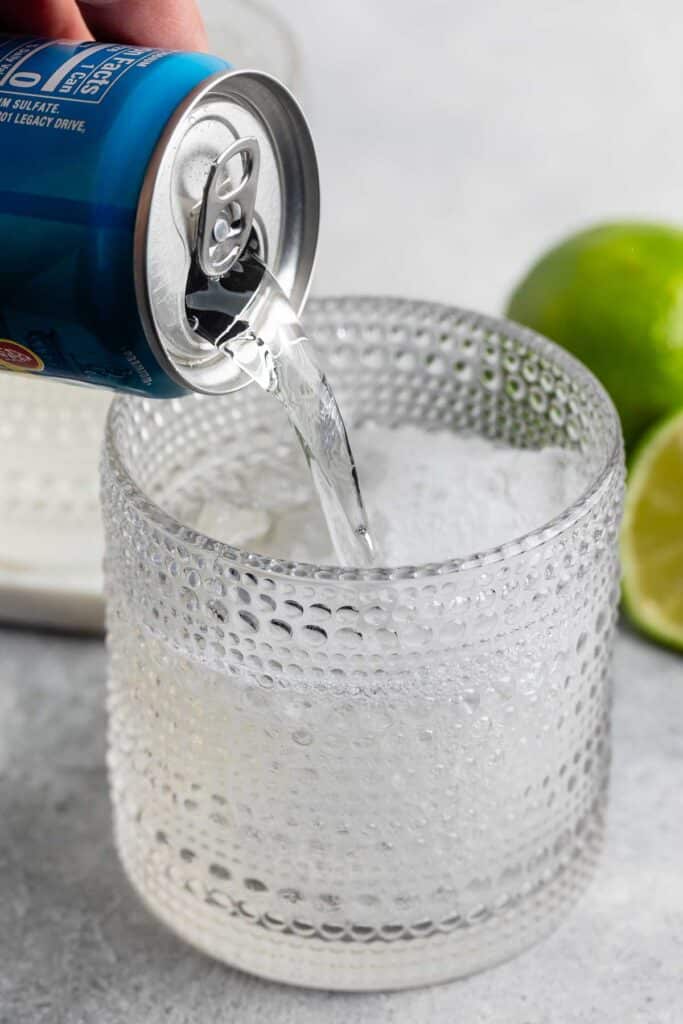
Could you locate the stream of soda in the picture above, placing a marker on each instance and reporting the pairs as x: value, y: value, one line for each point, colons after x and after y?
x: 295, y: 379
x: 276, y: 354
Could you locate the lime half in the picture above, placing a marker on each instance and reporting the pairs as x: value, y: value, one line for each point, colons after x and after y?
x: 652, y: 534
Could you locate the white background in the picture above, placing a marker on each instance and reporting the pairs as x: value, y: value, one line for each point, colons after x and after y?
x: 458, y: 139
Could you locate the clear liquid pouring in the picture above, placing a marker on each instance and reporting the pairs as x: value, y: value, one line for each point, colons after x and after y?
x: 267, y: 341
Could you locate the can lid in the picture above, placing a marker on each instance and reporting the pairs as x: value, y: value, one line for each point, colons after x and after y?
x: 225, y: 109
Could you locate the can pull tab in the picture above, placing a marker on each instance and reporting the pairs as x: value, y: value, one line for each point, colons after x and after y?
x: 227, y: 212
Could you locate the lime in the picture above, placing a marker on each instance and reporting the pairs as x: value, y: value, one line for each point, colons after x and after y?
x: 613, y: 296
x: 652, y: 534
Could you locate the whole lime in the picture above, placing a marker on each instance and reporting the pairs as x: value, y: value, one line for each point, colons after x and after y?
x: 613, y: 296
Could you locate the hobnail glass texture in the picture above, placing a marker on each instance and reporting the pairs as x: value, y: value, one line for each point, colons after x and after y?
x: 362, y: 779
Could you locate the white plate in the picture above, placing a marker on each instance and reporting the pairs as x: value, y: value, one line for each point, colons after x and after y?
x: 50, y: 533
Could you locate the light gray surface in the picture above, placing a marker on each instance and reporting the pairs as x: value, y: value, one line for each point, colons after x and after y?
x: 76, y: 946
x: 456, y: 139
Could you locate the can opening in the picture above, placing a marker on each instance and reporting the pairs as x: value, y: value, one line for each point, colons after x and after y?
x: 233, y: 184
x: 216, y: 306
x: 227, y: 265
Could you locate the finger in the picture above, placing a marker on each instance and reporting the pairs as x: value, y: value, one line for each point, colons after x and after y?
x: 57, y: 19
x: 170, y: 24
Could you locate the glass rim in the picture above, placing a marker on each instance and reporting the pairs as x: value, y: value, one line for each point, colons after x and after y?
x: 302, y: 570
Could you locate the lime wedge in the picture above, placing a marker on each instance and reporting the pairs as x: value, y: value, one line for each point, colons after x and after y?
x: 652, y: 534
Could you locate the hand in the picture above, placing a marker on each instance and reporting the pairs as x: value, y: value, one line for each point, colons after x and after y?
x: 170, y: 24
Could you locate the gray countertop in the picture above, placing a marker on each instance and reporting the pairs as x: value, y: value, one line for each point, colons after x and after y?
x: 77, y: 947
x: 455, y: 140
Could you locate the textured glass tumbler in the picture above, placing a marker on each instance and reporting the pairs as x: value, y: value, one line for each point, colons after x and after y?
x: 362, y: 779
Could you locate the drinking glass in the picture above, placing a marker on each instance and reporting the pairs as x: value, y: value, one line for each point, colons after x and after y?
x: 362, y: 779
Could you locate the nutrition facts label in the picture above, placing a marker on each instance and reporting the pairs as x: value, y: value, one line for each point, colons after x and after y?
x: 28, y: 68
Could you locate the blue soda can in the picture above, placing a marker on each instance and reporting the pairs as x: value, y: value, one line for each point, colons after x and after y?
x: 128, y: 177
